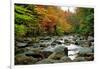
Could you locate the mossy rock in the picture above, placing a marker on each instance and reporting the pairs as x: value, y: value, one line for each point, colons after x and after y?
x: 22, y: 60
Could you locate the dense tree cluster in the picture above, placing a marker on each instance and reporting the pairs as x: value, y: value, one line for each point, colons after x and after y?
x: 39, y: 20
x: 86, y: 20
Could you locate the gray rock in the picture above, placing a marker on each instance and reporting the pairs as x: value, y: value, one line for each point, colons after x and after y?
x: 92, y: 43
x: 28, y: 39
x: 78, y: 59
x: 20, y: 39
x: 45, y: 38
x: 29, y: 52
x: 35, y: 45
x: 48, y: 61
x: 56, y: 55
x: 36, y: 49
x: 46, y: 53
x: 92, y: 47
x: 59, y: 48
x: 22, y: 60
x: 90, y: 38
x: 20, y: 44
x: 39, y: 56
x: 85, y: 50
x: 90, y: 58
x: 20, y: 50
x: 66, y: 59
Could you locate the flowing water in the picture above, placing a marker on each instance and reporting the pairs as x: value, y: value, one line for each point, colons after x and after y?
x: 73, y: 49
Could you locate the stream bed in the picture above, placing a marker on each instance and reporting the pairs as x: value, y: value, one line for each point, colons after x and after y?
x: 50, y: 49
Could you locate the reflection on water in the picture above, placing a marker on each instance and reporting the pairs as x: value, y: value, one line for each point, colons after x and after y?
x: 72, y: 49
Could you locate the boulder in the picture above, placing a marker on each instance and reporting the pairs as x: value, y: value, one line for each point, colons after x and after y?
x: 36, y: 49
x: 21, y: 45
x: 85, y: 50
x: 87, y: 56
x: 46, y: 53
x: 91, y: 58
x: 20, y: 50
x: 35, y: 45
x: 92, y: 47
x: 59, y: 48
x: 56, y: 55
x: 37, y: 55
x: 48, y: 61
x: 90, y: 38
x: 20, y: 39
x: 66, y: 59
x: 28, y: 39
x: 22, y: 60
x: 53, y: 44
x: 78, y: 59
x: 84, y: 43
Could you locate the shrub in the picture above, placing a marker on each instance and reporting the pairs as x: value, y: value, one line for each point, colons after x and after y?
x: 20, y: 30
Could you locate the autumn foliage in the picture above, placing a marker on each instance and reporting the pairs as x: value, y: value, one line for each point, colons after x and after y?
x: 48, y: 20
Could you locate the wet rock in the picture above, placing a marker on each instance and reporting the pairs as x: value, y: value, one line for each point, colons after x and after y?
x: 72, y: 42
x: 85, y: 50
x: 28, y: 39
x: 49, y: 48
x: 92, y: 43
x: 76, y: 43
x: 48, y: 61
x: 92, y: 47
x: 81, y: 38
x: 91, y: 58
x: 88, y: 56
x: 66, y: 59
x: 43, y: 45
x: 29, y: 52
x: 29, y: 44
x: 90, y: 38
x: 84, y: 43
x: 21, y: 45
x: 56, y: 56
x: 22, y: 60
x: 59, y: 48
x: 78, y: 59
x: 53, y: 44
x: 39, y: 55
x: 20, y: 39
x: 35, y: 45
x: 45, y: 38
x: 46, y: 53
x: 35, y: 55
x: 24, y: 39
x: 20, y: 50
x: 59, y: 42
x: 66, y: 41
x: 35, y: 49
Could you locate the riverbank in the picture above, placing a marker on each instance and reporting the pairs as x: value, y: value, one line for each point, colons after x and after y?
x: 50, y: 49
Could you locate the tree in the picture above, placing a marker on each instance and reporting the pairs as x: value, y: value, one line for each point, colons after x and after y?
x: 86, y: 18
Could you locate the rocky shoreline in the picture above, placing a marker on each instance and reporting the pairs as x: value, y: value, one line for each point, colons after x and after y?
x: 50, y: 49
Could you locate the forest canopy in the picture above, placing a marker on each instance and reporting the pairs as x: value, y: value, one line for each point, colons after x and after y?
x: 39, y: 20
